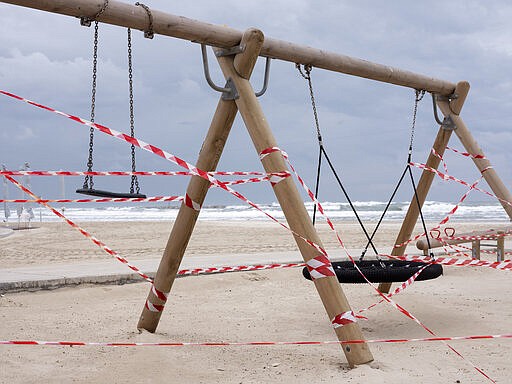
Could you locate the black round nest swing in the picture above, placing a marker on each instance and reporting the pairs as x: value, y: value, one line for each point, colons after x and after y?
x: 381, y: 271
x: 375, y: 271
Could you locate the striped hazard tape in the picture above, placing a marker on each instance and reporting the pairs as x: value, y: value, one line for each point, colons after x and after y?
x: 197, y: 172
x: 152, y: 199
x: 466, y: 154
x: 319, y: 267
x: 345, y: 318
x: 505, y: 265
x: 138, y: 173
x: 162, y: 296
x: 167, y: 156
x: 103, y: 246
x: 248, y: 343
x: 183, y: 272
x: 386, y: 298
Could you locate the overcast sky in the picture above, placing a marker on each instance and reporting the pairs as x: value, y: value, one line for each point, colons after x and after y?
x: 366, y: 125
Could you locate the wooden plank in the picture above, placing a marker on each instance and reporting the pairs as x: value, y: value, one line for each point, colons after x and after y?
x: 127, y: 15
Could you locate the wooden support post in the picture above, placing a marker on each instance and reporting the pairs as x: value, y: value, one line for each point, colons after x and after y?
x: 182, y: 229
x: 293, y: 208
x: 426, y: 179
x: 500, y: 247
x: 475, y: 249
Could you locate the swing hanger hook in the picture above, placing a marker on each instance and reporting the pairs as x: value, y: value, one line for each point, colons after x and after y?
x: 149, y: 33
x: 447, y: 123
x: 229, y: 92
x: 86, y: 21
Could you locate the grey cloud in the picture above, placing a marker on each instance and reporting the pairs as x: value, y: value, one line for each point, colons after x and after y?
x: 366, y: 124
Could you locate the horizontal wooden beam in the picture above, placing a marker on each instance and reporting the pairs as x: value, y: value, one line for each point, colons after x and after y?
x: 127, y: 15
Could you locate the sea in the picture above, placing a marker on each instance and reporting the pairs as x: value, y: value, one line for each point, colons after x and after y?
x: 368, y: 211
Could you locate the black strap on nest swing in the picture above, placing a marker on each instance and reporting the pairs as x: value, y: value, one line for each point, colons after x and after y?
x: 376, y: 271
x: 88, y: 186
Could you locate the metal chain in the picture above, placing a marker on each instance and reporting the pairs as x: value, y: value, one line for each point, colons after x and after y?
x: 135, y: 181
x: 418, y: 97
x: 88, y: 182
x: 307, y: 76
x: 149, y: 34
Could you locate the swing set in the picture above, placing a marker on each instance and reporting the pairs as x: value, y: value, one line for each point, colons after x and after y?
x: 237, y: 53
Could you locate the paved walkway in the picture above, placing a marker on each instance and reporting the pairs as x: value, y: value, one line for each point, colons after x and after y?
x: 5, y: 231
x: 51, y: 276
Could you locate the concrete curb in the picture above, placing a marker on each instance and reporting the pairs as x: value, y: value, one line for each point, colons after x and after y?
x: 53, y: 276
x: 50, y: 284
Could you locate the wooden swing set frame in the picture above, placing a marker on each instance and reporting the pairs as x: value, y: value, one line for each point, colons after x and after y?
x: 237, y: 68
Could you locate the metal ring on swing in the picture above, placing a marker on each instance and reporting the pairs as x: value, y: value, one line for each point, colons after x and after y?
x: 381, y: 271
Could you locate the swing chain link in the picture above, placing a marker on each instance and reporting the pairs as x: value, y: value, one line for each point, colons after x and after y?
x: 419, y: 94
x: 134, y: 181
x: 307, y: 75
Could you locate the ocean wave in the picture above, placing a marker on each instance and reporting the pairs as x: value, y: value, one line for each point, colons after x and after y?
x: 341, y: 211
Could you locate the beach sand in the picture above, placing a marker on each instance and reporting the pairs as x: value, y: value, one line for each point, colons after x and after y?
x: 274, y: 305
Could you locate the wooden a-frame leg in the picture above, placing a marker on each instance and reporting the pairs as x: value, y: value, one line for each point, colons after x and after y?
x: 426, y: 179
x: 296, y: 215
x: 208, y: 159
x: 482, y: 163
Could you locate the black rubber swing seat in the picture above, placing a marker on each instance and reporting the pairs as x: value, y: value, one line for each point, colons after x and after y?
x: 386, y: 271
x: 108, y: 194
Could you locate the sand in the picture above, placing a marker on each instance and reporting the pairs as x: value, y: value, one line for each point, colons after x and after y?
x: 276, y: 305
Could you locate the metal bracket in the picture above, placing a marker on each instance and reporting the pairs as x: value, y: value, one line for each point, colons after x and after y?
x: 229, y: 92
x: 232, y: 93
x: 448, y: 98
x: 265, y: 80
x: 447, y: 123
x: 230, y: 51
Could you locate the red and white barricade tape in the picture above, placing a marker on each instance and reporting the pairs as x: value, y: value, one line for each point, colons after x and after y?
x: 401, y: 309
x: 345, y: 318
x: 163, y: 154
x: 447, y: 177
x: 238, y: 268
x: 153, y: 307
x: 195, y: 171
x: 82, y: 231
x: 151, y: 199
x: 320, y: 267
x: 399, y: 289
x: 505, y: 265
x: 140, y: 173
x: 162, y: 296
x: 466, y: 154
x: 248, y: 343
x: 446, y: 218
x: 94, y: 173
